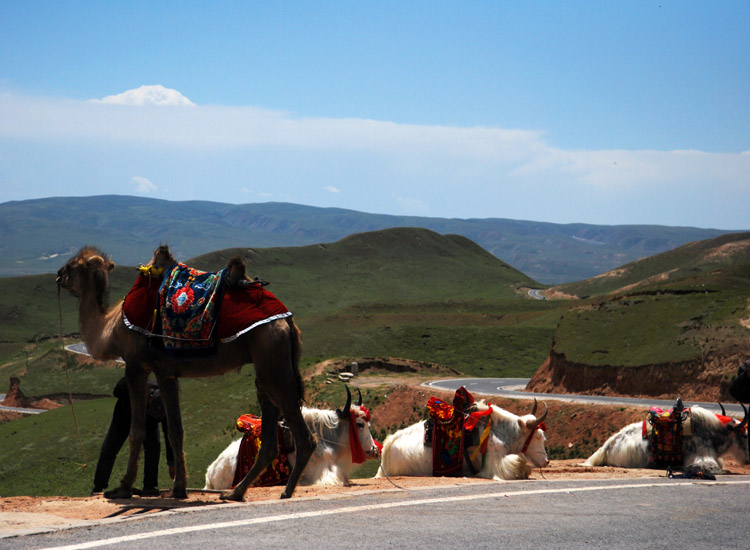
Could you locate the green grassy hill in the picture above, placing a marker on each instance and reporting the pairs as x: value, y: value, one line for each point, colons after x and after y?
x: 407, y: 293
x: 727, y: 256
x: 682, y: 305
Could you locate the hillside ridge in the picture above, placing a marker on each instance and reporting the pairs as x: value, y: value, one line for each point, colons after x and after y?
x: 37, y: 233
x: 723, y: 255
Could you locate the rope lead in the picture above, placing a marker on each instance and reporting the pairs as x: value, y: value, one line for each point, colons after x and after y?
x: 67, y: 377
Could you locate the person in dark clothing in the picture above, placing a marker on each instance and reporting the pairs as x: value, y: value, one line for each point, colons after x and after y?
x: 118, y: 433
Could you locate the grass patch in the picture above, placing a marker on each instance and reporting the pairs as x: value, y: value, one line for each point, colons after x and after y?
x: 651, y: 329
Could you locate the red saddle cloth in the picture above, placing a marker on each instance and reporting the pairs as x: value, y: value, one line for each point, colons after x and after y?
x: 448, y: 432
x: 665, y: 436
x: 241, y: 310
x: 275, y: 474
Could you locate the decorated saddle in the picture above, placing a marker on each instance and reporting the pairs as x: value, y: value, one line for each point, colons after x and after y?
x: 449, y: 429
x: 192, y: 310
x: 664, y: 430
x: 275, y: 474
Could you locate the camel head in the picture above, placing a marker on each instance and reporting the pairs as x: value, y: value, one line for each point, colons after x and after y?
x: 87, y: 271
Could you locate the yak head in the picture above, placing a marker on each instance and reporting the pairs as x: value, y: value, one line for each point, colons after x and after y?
x: 740, y: 443
x: 360, y: 417
x: 533, y: 428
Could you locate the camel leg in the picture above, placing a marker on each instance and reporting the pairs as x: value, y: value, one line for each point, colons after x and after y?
x: 170, y: 394
x: 304, y: 444
x: 136, y: 378
x: 269, y: 448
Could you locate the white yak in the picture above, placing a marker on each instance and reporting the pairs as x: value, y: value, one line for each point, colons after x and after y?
x: 332, y: 461
x: 514, y: 449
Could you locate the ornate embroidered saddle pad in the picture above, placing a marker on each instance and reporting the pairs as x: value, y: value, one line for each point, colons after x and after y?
x: 447, y: 432
x: 189, y: 300
x: 664, y: 429
x: 191, y: 310
x: 275, y: 474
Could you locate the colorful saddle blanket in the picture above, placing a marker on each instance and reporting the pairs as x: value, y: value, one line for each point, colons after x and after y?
x: 189, y: 301
x: 275, y: 474
x: 664, y: 429
x: 448, y: 433
x: 191, y: 309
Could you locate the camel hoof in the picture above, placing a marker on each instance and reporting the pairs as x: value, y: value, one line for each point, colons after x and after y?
x: 120, y: 492
x: 231, y: 495
x: 178, y: 494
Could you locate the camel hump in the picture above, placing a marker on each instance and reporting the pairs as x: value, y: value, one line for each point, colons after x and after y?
x: 236, y: 276
x: 160, y: 262
x: 236, y: 267
x: 163, y: 257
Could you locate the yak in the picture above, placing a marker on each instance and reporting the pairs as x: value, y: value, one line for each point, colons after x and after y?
x: 515, y: 447
x: 334, y: 457
x: 712, y: 437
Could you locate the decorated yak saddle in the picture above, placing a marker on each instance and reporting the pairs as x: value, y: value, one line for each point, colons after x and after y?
x: 664, y: 430
x: 275, y: 474
x: 449, y: 430
x: 191, y: 310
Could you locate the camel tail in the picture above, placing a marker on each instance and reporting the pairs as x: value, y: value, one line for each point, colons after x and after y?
x: 296, y: 342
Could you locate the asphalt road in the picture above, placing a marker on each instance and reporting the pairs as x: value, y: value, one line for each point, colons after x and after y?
x: 633, y: 513
x: 511, y: 387
x: 537, y: 294
x: 18, y: 409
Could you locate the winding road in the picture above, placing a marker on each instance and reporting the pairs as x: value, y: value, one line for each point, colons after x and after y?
x: 512, y: 387
x: 505, y: 387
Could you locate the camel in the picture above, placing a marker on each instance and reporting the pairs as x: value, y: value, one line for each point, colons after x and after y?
x: 274, y: 348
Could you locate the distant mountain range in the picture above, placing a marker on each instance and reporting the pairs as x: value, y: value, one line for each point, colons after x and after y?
x: 36, y: 236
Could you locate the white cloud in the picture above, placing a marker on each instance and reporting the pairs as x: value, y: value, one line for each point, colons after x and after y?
x: 143, y: 185
x: 148, y: 95
x: 412, y: 205
x: 384, y: 166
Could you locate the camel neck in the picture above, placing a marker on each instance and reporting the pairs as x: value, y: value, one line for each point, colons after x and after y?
x: 97, y: 327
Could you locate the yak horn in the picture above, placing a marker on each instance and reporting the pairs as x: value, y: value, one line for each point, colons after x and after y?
x: 533, y: 409
x: 723, y: 412
x: 744, y: 420
x: 359, y: 404
x: 348, y: 405
x: 533, y: 424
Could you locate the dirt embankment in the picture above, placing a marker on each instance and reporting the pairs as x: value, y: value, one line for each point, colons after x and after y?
x: 706, y: 379
x: 16, y: 398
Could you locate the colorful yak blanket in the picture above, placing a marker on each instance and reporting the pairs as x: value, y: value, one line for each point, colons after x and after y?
x: 275, y: 474
x: 665, y: 429
x: 191, y: 310
x: 448, y: 433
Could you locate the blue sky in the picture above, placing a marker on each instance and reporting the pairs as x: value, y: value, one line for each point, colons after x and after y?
x: 595, y: 112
